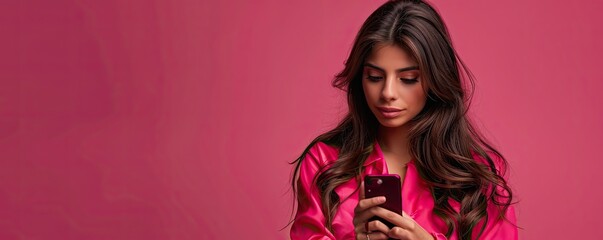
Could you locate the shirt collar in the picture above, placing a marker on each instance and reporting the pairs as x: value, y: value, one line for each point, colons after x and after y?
x: 376, y: 155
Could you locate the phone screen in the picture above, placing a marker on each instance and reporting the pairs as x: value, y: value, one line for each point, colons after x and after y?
x: 387, y: 185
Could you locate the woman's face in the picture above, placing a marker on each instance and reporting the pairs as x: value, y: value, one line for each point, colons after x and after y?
x: 392, y: 85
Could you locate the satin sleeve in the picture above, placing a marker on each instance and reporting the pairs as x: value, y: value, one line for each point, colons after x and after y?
x: 309, y: 221
x: 500, y: 228
x: 438, y: 236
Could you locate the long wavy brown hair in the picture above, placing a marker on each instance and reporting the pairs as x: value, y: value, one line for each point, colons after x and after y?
x: 442, y: 138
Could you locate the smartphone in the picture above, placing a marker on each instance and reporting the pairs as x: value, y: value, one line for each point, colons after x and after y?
x: 387, y: 185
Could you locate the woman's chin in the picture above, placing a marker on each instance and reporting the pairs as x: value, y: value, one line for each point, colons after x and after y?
x: 391, y: 123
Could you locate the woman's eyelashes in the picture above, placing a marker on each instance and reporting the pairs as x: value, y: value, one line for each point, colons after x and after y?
x: 409, y: 80
x: 374, y: 78
x: 405, y: 80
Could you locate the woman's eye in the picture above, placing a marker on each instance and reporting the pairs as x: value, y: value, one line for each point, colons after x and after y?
x: 409, y: 80
x: 373, y: 78
x: 405, y: 80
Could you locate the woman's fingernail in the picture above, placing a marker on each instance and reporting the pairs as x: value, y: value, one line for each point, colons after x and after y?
x: 381, y: 199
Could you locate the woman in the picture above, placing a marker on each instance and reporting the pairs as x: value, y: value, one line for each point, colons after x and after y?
x: 407, y: 116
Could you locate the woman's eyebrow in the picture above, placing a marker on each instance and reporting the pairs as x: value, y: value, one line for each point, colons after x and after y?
x: 397, y: 70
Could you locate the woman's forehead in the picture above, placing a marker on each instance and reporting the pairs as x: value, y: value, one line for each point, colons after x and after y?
x: 390, y: 57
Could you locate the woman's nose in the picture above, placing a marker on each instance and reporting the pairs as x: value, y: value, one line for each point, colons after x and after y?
x: 389, y: 89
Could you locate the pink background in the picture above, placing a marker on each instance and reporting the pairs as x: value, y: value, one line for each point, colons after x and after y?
x: 176, y: 119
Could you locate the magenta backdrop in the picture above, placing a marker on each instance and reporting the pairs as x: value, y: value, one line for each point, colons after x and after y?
x: 176, y: 119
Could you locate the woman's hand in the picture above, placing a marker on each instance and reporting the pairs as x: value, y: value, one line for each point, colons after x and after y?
x: 364, y: 229
x: 406, y: 227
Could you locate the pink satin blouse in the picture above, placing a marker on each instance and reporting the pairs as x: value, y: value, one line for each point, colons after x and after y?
x: 416, y: 201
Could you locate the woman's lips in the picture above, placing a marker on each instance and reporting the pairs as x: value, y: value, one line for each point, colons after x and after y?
x: 390, y: 112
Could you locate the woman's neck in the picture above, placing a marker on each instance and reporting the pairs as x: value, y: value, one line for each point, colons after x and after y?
x: 394, y: 141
